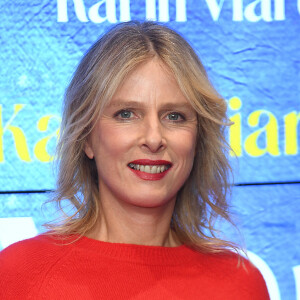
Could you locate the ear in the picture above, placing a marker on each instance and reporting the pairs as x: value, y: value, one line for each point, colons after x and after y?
x: 88, y: 150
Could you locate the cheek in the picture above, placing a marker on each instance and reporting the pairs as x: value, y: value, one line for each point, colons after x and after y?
x: 186, y: 145
x: 113, y: 141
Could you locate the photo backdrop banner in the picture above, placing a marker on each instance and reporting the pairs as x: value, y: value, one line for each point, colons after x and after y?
x: 251, y: 50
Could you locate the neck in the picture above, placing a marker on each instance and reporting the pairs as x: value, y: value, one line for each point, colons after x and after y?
x: 120, y: 222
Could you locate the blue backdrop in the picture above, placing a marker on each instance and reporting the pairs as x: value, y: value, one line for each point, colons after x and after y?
x: 251, y: 50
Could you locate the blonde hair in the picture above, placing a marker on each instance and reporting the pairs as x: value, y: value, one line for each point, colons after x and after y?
x: 203, y: 197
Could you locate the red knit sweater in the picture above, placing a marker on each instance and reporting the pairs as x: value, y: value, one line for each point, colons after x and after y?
x: 43, y: 268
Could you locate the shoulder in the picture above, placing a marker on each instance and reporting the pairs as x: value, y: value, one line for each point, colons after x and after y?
x: 234, y: 272
x: 24, y: 263
x: 28, y: 251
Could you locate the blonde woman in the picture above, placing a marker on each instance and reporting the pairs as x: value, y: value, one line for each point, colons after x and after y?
x: 143, y: 162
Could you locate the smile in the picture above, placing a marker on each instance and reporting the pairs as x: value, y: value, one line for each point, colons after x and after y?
x: 149, y: 169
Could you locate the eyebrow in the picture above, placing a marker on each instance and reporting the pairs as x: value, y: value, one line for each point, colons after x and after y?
x: 137, y: 104
x: 129, y: 103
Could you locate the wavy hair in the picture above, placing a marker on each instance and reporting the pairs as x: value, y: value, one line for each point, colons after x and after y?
x: 203, y: 197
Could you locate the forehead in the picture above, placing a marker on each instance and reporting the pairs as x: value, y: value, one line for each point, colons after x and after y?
x: 151, y: 83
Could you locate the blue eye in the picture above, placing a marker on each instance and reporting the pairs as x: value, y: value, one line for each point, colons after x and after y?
x: 174, y: 116
x: 124, y: 114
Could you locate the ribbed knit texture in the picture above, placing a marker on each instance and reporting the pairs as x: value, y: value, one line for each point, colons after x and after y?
x: 48, y: 268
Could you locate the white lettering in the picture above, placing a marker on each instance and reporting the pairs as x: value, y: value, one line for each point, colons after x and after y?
x: 215, y: 8
x: 237, y: 10
x: 163, y: 8
x: 296, y: 271
x: 62, y: 11
x: 279, y: 10
x: 151, y: 10
x: 125, y: 10
x: 181, y: 11
x: 265, y: 6
x: 110, y: 6
x: 268, y: 275
x: 253, y: 12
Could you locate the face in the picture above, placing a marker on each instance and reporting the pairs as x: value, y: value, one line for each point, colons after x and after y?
x: 144, y: 142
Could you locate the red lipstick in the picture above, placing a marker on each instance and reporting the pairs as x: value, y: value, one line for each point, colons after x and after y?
x: 149, y: 162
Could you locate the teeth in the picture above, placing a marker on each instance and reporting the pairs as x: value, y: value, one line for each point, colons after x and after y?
x: 149, y: 169
x: 154, y: 170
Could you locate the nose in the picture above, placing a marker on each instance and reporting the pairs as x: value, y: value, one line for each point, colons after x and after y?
x: 153, y: 136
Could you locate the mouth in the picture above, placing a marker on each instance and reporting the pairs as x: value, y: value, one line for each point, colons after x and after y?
x: 149, y: 169
x: 142, y: 166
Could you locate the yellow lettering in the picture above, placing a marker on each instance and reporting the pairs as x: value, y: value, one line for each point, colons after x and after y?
x: 271, y: 135
x: 40, y: 148
x: 235, y: 130
x: 18, y: 135
x: 291, y: 136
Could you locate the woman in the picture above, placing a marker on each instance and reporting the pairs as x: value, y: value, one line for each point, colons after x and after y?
x: 143, y: 162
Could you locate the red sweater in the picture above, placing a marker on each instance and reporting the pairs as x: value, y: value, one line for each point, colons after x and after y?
x: 43, y: 268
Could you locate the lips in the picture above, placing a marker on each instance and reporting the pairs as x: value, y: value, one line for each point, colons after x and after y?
x: 150, y: 169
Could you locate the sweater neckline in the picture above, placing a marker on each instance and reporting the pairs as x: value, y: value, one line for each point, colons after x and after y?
x: 151, y: 255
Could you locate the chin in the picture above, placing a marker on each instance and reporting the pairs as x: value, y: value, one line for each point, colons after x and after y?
x: 145, y: 202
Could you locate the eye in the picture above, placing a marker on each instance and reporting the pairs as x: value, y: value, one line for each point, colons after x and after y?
x: 124, y: 114
x: 175, y: 116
